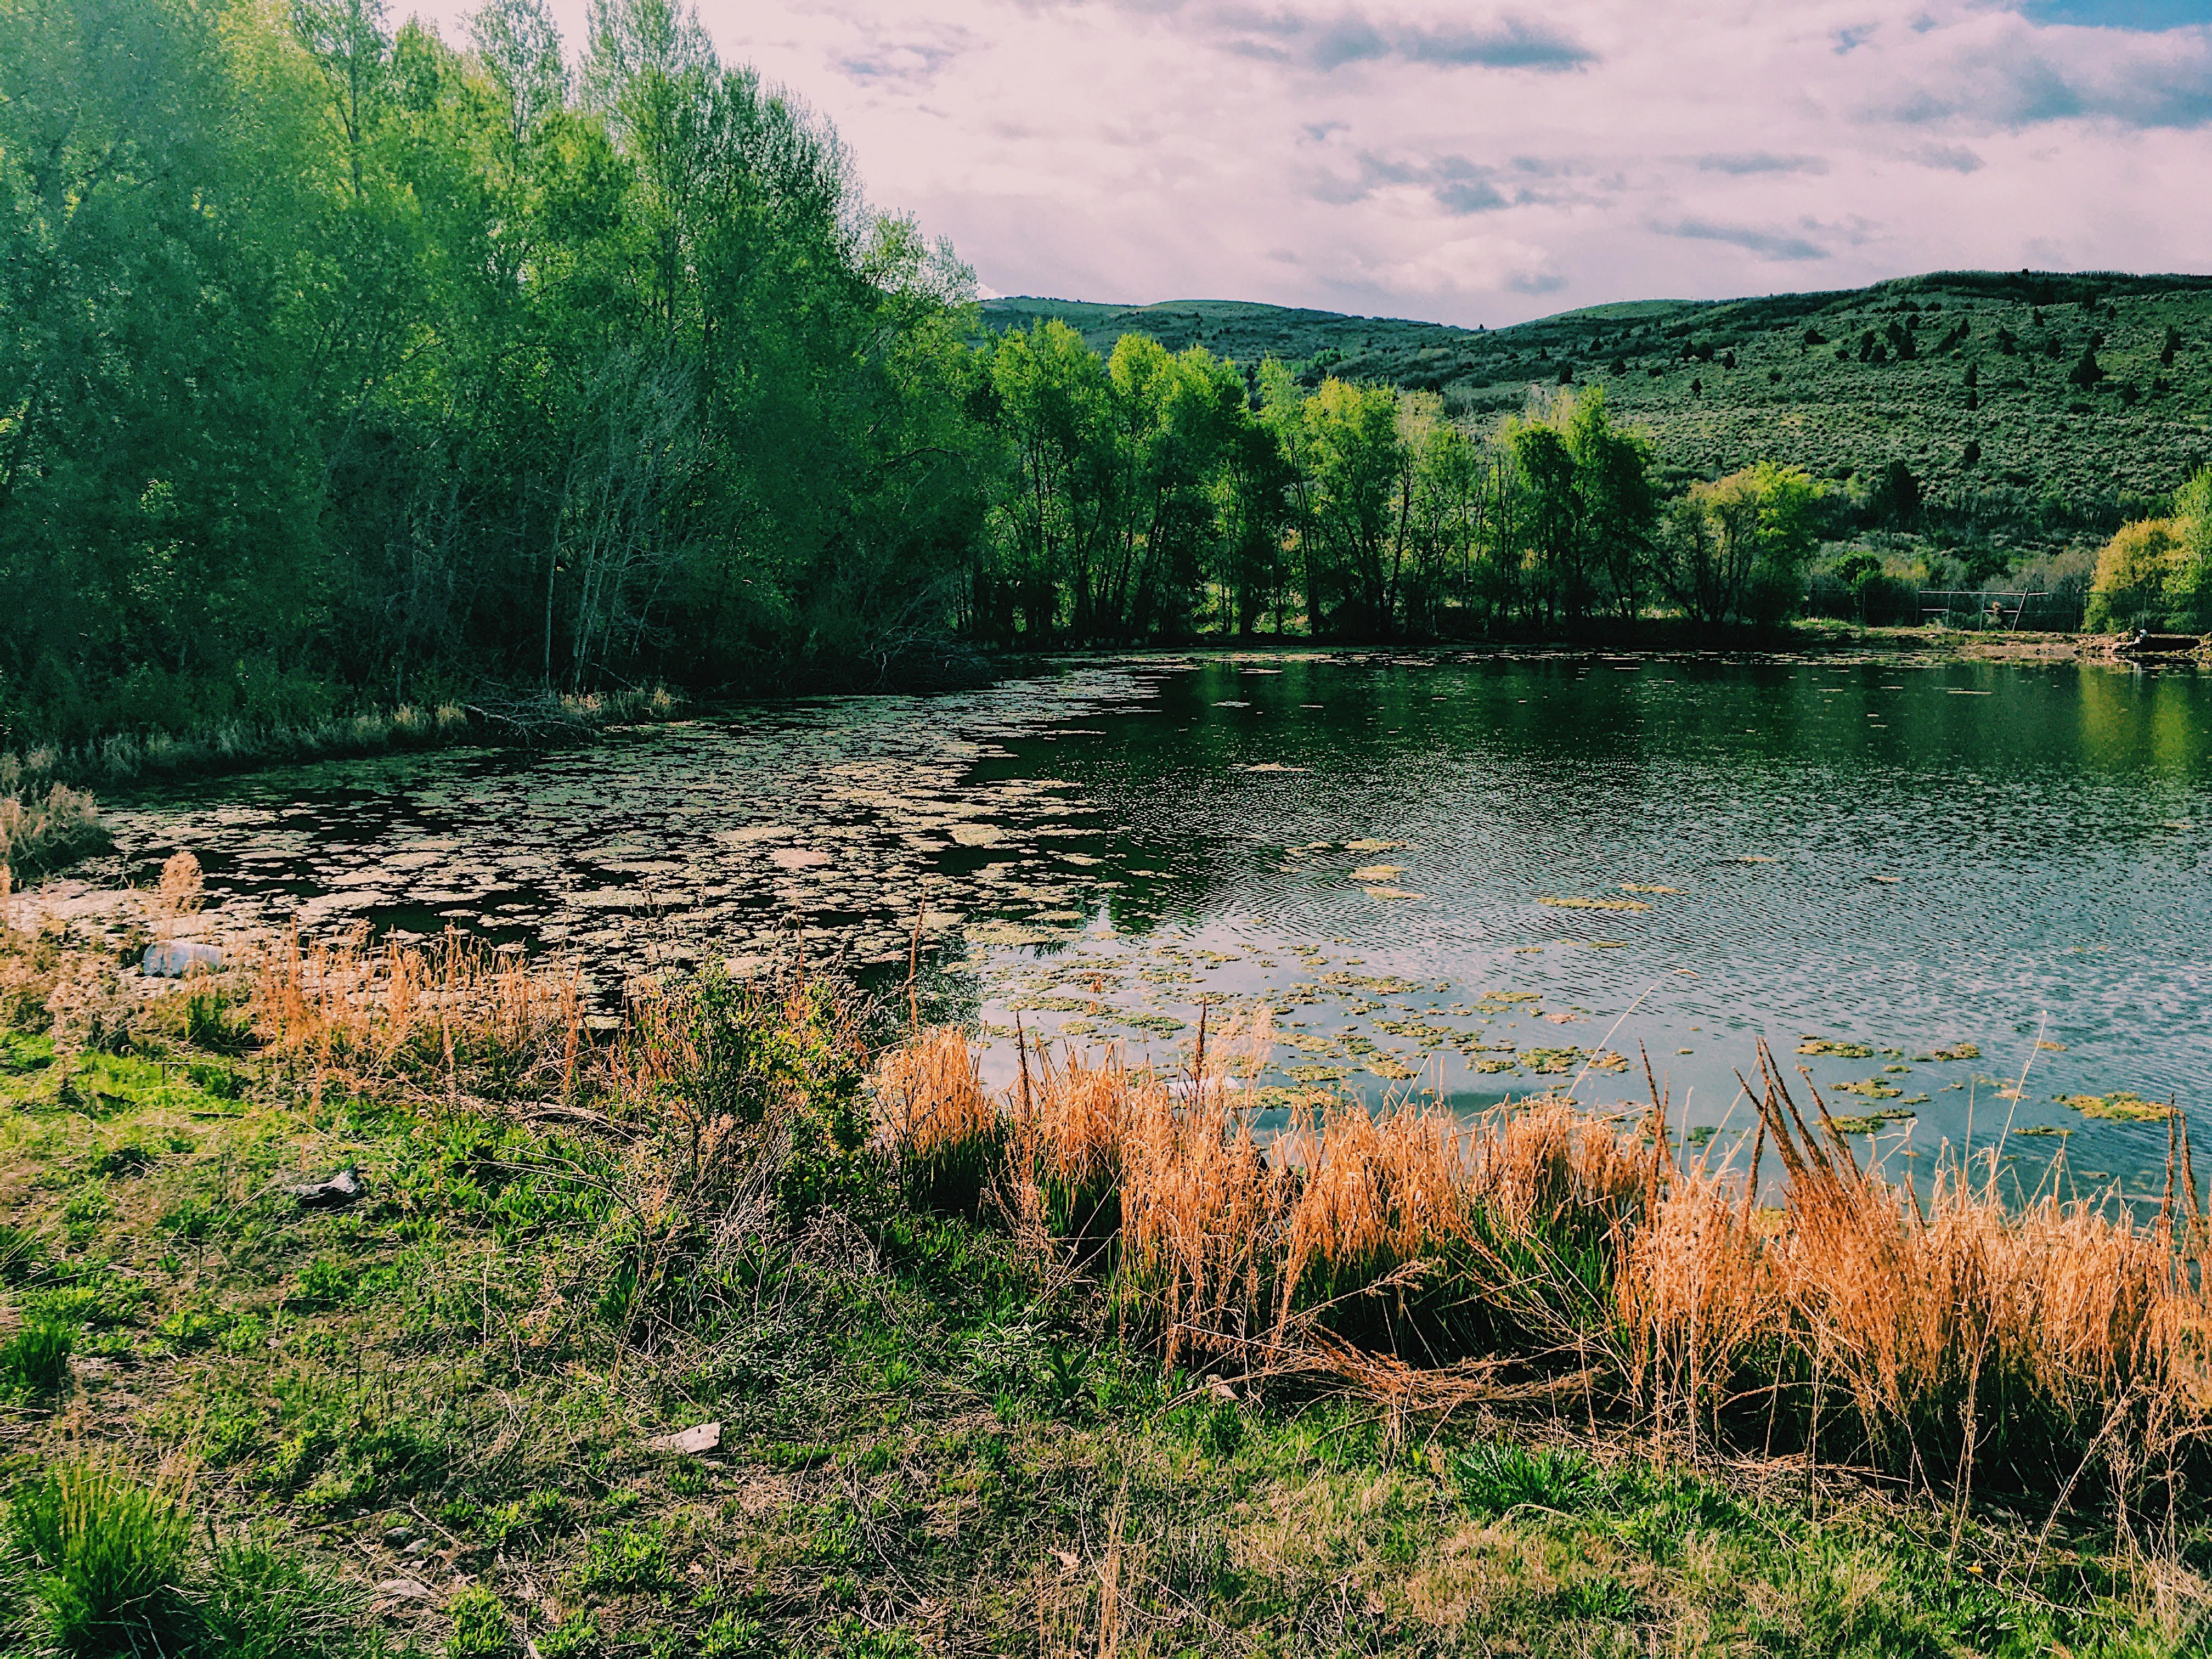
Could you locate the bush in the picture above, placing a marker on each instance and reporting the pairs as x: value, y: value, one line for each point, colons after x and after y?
x: 104, y: 1553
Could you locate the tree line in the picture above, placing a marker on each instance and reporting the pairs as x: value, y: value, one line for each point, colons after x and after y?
x: 339, y: 360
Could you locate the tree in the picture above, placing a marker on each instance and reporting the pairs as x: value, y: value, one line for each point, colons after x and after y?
x: 1737, y: 547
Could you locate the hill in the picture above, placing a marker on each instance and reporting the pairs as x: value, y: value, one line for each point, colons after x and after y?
x: 1976, y: 381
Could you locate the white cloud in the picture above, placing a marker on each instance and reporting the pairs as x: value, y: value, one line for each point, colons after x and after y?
x: 1481, y: 162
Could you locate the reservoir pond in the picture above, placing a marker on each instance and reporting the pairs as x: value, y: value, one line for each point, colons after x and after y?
x: 1973, y: 900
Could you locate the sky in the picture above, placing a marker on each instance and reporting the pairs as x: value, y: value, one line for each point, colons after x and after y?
x: 1478, y: 164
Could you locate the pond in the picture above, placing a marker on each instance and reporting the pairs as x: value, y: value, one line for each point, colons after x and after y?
x: 1963, y: 896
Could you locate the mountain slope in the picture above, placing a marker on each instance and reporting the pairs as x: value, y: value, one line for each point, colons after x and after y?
x: 1794, y: 378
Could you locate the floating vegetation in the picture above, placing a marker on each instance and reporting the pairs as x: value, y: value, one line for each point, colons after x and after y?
x: 1871, y: 1088
x: 1819, y: 1045
x: 1956, y: 1051
x: 1497, y: 1063
x: 1378, y: 871
x: 1607, y: 1060
x: 1316, y: 1074
x: 1896, y: 1069
x: 1374, y: 846
x: 1386, y: 985
x: 1160, y: 1024
x: 1387, y: 1066
x: 798, y: 858
x: 2042, y: 1129
x: 1418, y: 1030
x: 1751, y: 858
x: 2118, y: 1108
x: 1271, y: 766
x: 1701, y: 1134
x: 2051, y: 1048
x: 1553, y: 1060
x: 1631, y: 887
x: 1511, y: 996
x: 978, y: 835
x: 1389, y: 893
x: 1577, y: 903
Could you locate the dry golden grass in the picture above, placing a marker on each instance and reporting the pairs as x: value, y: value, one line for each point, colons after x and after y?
x: 1919, y: 1336
x: 454, y: 1018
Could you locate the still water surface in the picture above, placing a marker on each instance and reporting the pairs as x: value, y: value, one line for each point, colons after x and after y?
x: 1478, y: 877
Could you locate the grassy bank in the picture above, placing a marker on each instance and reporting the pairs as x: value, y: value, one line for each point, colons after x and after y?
x: 1070, y: 1371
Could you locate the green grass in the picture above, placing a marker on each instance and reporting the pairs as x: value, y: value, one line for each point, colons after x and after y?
x: 927, y: 1445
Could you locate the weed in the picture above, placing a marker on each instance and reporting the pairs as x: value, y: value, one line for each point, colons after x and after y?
x: 480, y: 1626
x: 577, y: 1636
x: 35, y: 1360
x: 107, y: 1551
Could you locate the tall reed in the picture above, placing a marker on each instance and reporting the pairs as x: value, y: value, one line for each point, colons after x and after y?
x: 1936, y: 1339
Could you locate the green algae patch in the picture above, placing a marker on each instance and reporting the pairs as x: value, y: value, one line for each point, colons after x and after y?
x: 2120, y: 1107
x: 1821, y: 1045
x: 1871, y: 1088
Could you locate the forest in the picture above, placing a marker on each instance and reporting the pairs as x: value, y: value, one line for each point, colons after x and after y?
x: 342, y: 365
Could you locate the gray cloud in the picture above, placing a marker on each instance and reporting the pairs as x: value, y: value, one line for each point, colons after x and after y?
x: 2019, y: 81
x: 1458, y: 185
x: 1509, y: 42
x: 1759, y: 160
x: 1952, y: 158
x: 1766, y: 244
x: 1536, y: 282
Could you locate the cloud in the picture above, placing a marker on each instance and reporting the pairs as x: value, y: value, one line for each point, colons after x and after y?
x: 1952, y: 158
x: 1761, y: 162
x: 1486, y: 160
x: 2001, y: 73
x: 1766, y: 244
x: 1509, y: 43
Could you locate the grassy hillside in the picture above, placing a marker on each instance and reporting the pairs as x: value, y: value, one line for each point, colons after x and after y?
x: 1789, y: 377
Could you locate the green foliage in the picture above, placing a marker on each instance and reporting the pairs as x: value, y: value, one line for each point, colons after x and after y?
x: 260, y: 1601
x: 35, y: 1360
x: 480, y: 1627
x: 2157, y: 573
x: 106, y: 1551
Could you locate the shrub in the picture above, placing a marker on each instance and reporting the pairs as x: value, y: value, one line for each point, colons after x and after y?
x: 2131, y: 575
x: 104, y: 1551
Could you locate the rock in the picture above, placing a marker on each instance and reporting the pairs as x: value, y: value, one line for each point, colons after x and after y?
x: 420, y: 1546
x: 175, y: 958
x: 706, y: 1437
x: 340, y: 1188
x: 405, y: 1590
